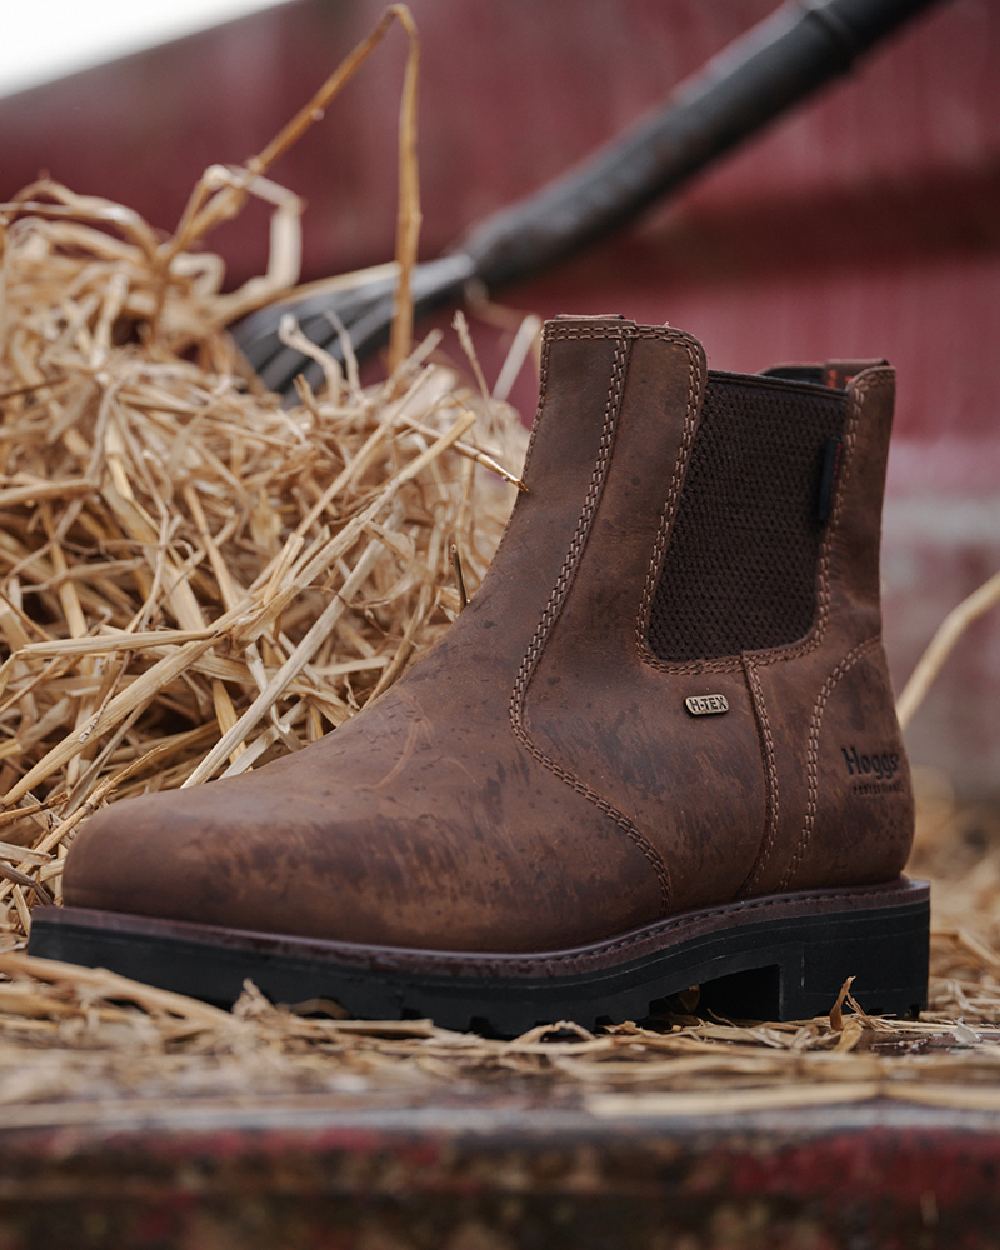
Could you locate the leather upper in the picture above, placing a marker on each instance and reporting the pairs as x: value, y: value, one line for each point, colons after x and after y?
x: 536, y: 781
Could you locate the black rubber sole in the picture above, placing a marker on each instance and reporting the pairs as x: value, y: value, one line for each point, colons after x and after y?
x: 783, y: 957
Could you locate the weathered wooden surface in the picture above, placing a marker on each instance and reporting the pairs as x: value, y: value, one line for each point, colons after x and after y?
x: 480, y: 1169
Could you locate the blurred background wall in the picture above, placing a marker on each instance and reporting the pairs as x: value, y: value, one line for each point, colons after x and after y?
x: 868, y: 224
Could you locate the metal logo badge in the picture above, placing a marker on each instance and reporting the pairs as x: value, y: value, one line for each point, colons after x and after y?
x: 706, y: 704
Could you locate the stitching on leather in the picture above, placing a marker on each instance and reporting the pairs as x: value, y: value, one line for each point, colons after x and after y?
x: 550, y: 333
x: 695, y: 387
x: 767, y: 751
x: 661, y: 928
x: 815, y: 636
x: 499, y: 963
x: 812, y: 772
x: 686, y: 921
x: 589, y: 332
x: 558, y: 597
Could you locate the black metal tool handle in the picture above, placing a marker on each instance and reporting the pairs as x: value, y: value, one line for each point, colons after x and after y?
x: 778, y: 63
x: 754, y: 80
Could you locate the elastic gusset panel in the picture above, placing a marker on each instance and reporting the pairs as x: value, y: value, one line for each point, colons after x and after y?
x: 740, y: 568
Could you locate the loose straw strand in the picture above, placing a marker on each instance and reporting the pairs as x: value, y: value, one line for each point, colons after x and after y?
x: 941, y: 645
x: 408, y: 216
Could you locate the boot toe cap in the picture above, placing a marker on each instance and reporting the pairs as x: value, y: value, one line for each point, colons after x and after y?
x: 132, y: 857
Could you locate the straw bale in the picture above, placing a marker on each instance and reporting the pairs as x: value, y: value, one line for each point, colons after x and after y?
x: 194, y: 578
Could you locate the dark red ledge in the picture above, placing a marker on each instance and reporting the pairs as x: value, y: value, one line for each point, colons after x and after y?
x: 481, y: 1170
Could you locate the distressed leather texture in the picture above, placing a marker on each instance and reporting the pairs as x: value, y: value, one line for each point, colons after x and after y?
x: 535, y: 782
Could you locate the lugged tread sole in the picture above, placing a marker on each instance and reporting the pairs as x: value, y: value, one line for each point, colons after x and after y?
x: 782, y: 957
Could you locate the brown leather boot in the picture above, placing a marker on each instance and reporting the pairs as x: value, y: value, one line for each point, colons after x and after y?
x: 658, y: 749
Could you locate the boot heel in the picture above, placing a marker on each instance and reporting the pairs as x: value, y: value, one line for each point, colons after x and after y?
x: 800, y: 972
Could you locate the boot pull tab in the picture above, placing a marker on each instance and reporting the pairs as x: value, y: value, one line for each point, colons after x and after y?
x: 839, y: 374
x: 828, y: 473
x: 836, y: 375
